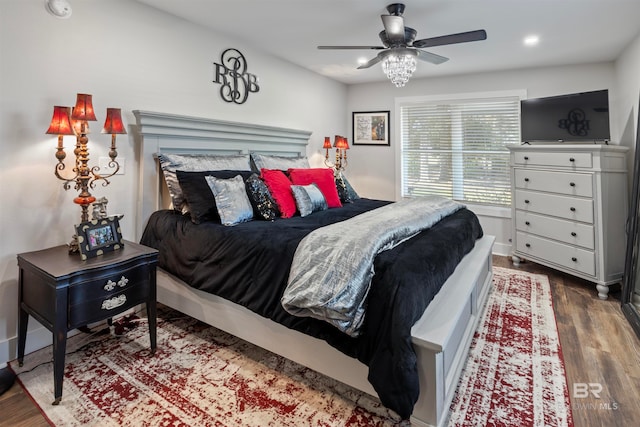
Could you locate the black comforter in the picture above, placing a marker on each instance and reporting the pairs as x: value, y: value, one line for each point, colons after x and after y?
x: 249, y: 264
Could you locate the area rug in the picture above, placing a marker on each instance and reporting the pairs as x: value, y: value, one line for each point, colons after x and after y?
x: 515, y: 373
x: 201, y: 376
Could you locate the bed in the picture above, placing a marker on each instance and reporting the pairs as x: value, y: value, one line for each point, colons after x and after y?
x: 440, y: 337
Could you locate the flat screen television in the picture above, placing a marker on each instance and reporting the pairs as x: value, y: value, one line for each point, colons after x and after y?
x: 578, y: 117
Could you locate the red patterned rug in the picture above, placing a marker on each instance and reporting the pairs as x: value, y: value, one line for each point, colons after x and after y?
x: 201, y: 376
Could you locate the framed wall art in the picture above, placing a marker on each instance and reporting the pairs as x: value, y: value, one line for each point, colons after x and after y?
x: 371, y: 128
x: 98, y: 236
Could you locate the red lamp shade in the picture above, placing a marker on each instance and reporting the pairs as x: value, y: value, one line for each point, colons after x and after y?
x: 327, y: 142
x: 341, y: 142
x: 60, y: 124
x: 113, y: 123
x: 84, y: 108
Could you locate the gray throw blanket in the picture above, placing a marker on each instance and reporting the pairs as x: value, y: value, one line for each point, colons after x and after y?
x: 332, y: 267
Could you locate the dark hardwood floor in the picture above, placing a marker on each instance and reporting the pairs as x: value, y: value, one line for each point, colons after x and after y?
x: 601, y: 353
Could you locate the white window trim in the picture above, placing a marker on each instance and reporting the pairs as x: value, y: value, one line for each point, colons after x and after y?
x: 412, y: 100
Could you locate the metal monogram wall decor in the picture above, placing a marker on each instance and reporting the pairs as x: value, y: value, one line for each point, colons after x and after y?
x: 236, y: 83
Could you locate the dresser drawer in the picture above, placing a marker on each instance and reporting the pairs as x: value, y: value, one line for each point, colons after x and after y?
x: 564, y: 159
x: 573, y: 233
x: 564, y: 255
x: 571, y: 208
x: 574, y: 184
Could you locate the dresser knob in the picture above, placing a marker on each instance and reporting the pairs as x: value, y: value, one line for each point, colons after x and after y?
x: 572, y: 209
x: 571, y: 159
x: 527, y: 223
x: 526, y: 201
x: 527, y: 245
x: 573, y: 184
x: 573, y: 233
x: 526, y: 157
x: 115, y: 302
x: 111, y: 285
x: 123, y: 282
x: 526, y: 180
x: 574, y: 259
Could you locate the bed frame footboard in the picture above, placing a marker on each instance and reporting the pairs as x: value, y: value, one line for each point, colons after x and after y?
x: 441, y: 337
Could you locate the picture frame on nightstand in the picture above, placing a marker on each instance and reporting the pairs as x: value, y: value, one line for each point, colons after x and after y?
x: 98, y: 236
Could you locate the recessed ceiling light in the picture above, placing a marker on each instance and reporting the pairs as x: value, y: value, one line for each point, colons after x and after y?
x: 531, y: 40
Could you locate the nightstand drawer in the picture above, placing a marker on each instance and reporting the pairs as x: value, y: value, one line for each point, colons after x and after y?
x: 540, y: 158
x: 571, y: 208
x: 565, y: 255
x: 571, y: 232
x: 572, y: 184
x: 101, y: 307
x: 108, y: 283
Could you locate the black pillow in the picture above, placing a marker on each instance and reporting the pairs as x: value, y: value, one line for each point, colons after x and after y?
x: 345, y: 191
x: 202, y: 203
x: 264, y: 205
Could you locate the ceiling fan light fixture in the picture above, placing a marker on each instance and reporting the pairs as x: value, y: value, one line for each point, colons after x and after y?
x: 399, y: 67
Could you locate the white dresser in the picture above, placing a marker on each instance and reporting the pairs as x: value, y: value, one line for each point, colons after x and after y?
x: 569, y: 209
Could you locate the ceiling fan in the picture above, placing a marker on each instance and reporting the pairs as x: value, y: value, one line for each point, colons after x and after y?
x: 400, y: 49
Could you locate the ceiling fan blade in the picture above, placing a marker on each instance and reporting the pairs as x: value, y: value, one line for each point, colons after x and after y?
x: 394, y: 27
x: 352, y: 47
x: 431, y: 57
x: 372, y: 61
x: 469, y: 36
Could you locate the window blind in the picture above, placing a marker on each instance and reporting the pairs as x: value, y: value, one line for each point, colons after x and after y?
x: 457, y: 149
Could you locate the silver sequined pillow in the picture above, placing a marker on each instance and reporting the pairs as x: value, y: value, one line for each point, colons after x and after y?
x: 309, y: 199
x: 232, y: 201
x: 283, y: 163
x: 169, y: 163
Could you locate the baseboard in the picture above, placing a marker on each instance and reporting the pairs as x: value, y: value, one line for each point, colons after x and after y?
x: 37, y: 338
x: 502, y: 249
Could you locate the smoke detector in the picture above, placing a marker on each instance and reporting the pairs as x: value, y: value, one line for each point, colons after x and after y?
x: 58, y: 8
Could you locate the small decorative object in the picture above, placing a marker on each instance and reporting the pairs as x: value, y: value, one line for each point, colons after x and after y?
x: 342, y: 145
x: 232, y: 75
x: 371, y: 128
x: 75, y: 122
x: 98, y: 236
x: 100, y: 208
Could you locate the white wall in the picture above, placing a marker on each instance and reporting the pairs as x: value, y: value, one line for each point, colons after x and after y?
x: 372, y: 169
x: 129, y: 56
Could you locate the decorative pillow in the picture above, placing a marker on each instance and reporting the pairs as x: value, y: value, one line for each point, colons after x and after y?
x: 280, y: 188
x: 263, y: 204
x: 170, y: 163
x: 266, y: 161
x: 323, y: 177
x: 231, y: 199
x: 345, y: 191
x: 309, y: 199
x: 198, y: 195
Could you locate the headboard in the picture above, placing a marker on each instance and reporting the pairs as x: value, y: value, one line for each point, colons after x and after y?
x: 170, y: 133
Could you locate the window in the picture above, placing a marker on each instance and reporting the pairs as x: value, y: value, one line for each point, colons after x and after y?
x: 456, y: 148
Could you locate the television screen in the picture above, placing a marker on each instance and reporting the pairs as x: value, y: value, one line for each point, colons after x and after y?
x: 576, y: 117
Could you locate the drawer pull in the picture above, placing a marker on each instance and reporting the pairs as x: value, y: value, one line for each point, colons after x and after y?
x: 572, y: 209
x: 573, y: 233
x: 571, y: 159
x: 526, y: 157
x: 527, y: 223
x: 528, y: 245
x: 526, y: 201
x: 573, y: 184
x: 111, y: 303
x: 111, y: 285
x: 526, y: 180
x: 574, y: 259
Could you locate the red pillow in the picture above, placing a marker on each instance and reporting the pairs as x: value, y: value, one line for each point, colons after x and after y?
x: 323, y: 178
x: 280, y: 188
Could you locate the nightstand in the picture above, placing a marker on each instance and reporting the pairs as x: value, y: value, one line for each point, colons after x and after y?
x: 62, y: 293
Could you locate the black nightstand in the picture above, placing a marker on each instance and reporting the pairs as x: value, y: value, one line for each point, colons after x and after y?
x: 62, y: 293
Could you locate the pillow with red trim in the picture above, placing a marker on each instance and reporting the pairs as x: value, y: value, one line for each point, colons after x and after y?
x: 280, y: 188
x: 323, y: 178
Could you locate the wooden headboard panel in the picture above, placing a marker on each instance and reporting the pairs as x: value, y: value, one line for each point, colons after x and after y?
x: 170, y: 133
